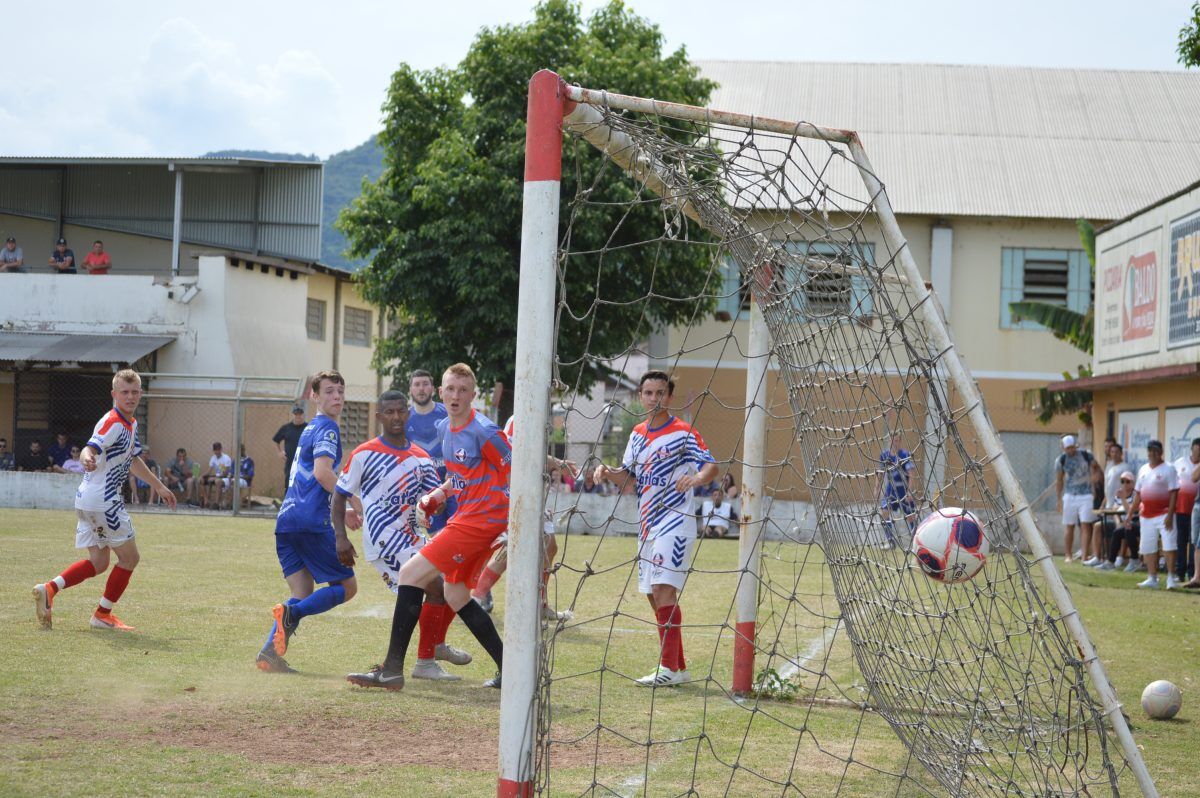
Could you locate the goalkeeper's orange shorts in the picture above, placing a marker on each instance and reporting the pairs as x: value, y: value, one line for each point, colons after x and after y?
x: 460, y: 552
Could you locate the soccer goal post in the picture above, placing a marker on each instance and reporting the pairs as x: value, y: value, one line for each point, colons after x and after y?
x: 823, y: 659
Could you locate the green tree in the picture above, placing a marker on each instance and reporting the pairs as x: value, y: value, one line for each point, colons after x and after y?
x: 1066, y: 325
x: 442, y: 225
x: 1189, y: 40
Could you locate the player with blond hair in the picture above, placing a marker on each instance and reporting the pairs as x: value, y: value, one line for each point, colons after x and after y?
x: 103, y: 525
x: 478, y: 460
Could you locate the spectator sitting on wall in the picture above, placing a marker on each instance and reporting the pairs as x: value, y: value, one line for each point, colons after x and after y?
x: 587, y: 484
x: 1128, y: 531
x: 12, y: 258
x: 245, y: 479
x: 35, y: 459
x: 60, y: 450
x: 287, y: 439
x: 179, y: 476
x: 729, y: 486
x: 71, y: 465
x: 97, y: 261
x: 62, y: 260
x: 714, y: 515
x: 7, y: 461
x: 137, y: 486
x: 220, y: 466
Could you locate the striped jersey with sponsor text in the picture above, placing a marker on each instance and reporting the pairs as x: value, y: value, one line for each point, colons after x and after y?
x: 116, y: 443
x: 389, y: 480
x: 305, y: 507
x: 657, y: 457
x: 1154, y: 486
x: 478, y: 459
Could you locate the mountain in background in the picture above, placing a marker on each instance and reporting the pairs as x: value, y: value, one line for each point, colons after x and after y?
x: 344, y: 173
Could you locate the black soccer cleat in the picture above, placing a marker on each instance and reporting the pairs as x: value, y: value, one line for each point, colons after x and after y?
x: 270, y: 662
x: 378, y: 676
x: 493, y: 682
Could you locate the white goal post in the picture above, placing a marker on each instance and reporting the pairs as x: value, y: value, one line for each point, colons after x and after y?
x: 556, y: 108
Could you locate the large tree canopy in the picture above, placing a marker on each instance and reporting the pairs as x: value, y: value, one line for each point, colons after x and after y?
x: 442, y: 225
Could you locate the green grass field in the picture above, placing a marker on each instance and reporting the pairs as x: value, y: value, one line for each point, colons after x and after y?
x: 178, y: 708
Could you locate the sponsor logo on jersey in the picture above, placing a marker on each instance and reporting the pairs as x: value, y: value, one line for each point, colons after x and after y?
x: 460, y: 455
x: 458, y: 558
x: 657, y: 559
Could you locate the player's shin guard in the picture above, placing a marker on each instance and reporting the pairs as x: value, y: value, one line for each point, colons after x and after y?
x: 322, y: 600
x: 487, y: 580
x: 430, y: 624
x: 480, y: 624
x: 118, y: 580
x: 669, y: 619
x: 409, y: 600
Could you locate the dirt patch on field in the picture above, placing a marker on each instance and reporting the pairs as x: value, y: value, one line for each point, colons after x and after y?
x: 265, y: 734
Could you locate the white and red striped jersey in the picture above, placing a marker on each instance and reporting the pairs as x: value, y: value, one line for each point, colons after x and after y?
x: 389, y: 481
x: 657, y: 457
x: 1154, y: 485
x: 116, y: 443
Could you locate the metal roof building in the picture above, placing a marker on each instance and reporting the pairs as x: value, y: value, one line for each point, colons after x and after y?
x: 259, y: 207
x: 992, y: 140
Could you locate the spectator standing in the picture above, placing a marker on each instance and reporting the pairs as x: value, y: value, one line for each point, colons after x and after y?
x: 62, y: 260
x: 1155, y: 494
x: 60, y: 450
x: 180, y: 476
x: 97, y: 261
x: 1074, y: 471
x: 1194, y: 582
x: 1184, y: 504
x: 7, y: 461
x: 287, y: 439
x: 714, y: 515
x: 72, y: 465
x: 1112, y: 473
x: 220, y: 466
x: 35, y: 459
x: 12, y: 257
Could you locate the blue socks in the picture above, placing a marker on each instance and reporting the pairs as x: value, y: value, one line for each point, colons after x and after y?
x: 321, y: 601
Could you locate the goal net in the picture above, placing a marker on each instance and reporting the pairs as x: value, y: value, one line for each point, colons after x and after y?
x: 818, y: 369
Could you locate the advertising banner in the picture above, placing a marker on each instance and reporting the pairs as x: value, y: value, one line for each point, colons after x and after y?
x: 1135, y: 428
x: 1183, y: 319
x: 1127, y: 298
x: 1183, y: 424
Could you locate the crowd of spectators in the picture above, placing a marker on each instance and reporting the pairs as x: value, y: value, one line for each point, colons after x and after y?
x: 62, y: 259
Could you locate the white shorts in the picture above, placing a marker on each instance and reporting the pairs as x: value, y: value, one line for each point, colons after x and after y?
x: 1154, y: 529
x: 665, y: 560
x: 1077, y: 509
x: 241, y: 482
x: 104, y: 528
x: 389, y: 566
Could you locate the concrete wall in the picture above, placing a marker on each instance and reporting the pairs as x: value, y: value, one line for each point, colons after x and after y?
x: 38, y: 491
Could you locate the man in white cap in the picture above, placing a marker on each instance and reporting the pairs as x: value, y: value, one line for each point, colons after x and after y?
x: 1155, y: 494
x: 1075, y: 471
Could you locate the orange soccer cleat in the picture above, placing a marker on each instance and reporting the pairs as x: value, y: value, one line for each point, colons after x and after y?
x: 109, y: 621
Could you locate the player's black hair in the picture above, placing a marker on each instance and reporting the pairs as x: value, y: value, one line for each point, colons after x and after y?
x: 412, y: 375
x: 1195, y: 441
x: 392, y: 396
x: 1154, y: 444
x: 658, y: 375
x: 1122, y: 448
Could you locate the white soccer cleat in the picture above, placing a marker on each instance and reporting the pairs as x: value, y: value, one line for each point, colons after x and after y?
x: 1172, y: 582
x: 665, y: 677
x: 430, y: 669
x: 1150, y: 583
x: 448, y: 653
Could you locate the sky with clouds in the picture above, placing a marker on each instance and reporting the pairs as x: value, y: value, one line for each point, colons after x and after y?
x: 174, y: 78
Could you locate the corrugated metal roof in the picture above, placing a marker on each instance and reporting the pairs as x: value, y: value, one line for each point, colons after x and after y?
x: 991, y: 141
x: 55, y: 160
x: 60, y: 347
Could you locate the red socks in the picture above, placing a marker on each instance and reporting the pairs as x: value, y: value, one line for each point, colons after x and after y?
x: 75, y: 573
x: 669, y: 619
x: 487, y: 579
x: 118, y: 580
x: 430, y: 624
x: 448, y: 616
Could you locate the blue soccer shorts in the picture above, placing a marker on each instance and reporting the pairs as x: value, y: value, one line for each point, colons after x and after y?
x: 315, y: 551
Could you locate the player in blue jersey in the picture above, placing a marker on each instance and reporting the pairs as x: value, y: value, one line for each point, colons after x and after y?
x: 422, y: 430
x: 309, y: 549
x: 895, y: 489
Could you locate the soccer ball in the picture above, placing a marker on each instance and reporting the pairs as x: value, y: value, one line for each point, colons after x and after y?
x: 950, y: 545
x: 1161, y: 700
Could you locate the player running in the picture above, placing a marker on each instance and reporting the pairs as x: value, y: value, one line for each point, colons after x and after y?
x: 104, y: 526
x: 389, y: 474
x: 309, y: 548
x: 478, y: 461
x: 895, y: 490
x: 668, y: 458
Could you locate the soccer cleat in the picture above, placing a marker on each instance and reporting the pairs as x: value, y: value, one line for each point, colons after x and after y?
x: 1106, y: 566
x: 1172, y: 582
x: 487, y: 602
x: 665, y: 677
x: 549, y: 614
x: 1151, y: 583
x: 270, y: 662
x: 448, y: 653
x: 110, y: 622
x: 493, y: 682
x: 285, y: 627
x: 1131, y: 567
x: 430, y: 669
x: 42, y: 604
x: 378, y: 677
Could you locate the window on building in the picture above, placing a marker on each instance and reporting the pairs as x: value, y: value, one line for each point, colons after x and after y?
x: 355, y: 423
x: 814, y: 282
x: 357, y: 327
x: 1061, y: 277
x: 315, y: 320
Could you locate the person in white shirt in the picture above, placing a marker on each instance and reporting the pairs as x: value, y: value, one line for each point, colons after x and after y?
x: 715, y: 515
x: 1156, y: 491
x: 220, y: 466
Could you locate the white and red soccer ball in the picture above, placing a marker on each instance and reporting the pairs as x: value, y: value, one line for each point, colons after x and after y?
x: 950, y: 545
